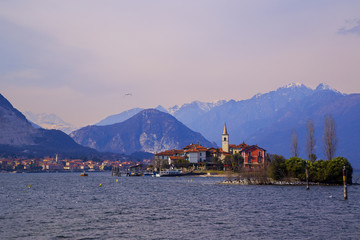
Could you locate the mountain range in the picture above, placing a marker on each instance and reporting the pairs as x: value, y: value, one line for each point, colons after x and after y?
x: 268, y: 119
x: 148, y: 131
x: 265, y: 119
x: 19, y: 137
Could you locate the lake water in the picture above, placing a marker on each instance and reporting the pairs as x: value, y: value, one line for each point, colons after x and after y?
x: 65, y: 205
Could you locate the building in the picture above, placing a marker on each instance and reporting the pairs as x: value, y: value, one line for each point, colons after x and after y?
x: 168, y: 153
x: 254, y: 156
x: 225, y: 140
x: 195, y: 153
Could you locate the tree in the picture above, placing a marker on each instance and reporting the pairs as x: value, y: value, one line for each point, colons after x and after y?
x: 228, y: 163
x: 329, y: 138
x: 294, y: 144
x: 278, y: 167
x: 295, y: 168
x: 334, y: 170
x: 310, y: 140
x: 181, y: 163
x: 237, y: 162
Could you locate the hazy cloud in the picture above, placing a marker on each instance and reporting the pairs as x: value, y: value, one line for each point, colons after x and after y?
x: 352, y: 27
x: 89, y: 54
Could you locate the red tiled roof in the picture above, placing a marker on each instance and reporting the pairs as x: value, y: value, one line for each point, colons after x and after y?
x: 176, y: 158
x: 222, y: 151
x: 169, y: 152
x: 252, y: 147
x: 195, y: 150
x: 240, y: 146
x: 196, y: 147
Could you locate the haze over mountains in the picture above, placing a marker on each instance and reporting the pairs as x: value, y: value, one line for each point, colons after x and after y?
x: 148, y: 131
x: 19, y: 137
x: 268, y: 119
x: 49, y: 121
x: 192, y: 109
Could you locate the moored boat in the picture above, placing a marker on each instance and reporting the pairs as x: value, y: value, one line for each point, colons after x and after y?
x: 168, y: 173
x: 149, y: 173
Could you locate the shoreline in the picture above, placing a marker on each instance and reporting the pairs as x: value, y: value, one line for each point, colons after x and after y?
x: 277, y: 183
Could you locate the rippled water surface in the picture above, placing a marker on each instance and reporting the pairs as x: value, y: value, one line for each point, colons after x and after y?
x: 65, y: 205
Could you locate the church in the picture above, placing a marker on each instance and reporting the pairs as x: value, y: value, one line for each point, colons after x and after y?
x: 197, y: 155
x: 254, y: 156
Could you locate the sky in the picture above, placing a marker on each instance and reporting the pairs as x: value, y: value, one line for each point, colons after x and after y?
x: 85, y: 60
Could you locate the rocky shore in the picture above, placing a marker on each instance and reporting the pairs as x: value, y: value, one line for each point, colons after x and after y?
x: 269, y: 181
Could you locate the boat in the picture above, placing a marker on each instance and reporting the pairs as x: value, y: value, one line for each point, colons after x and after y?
x: 168, y: 173
x: 148, y: 174
x: 84, y: 174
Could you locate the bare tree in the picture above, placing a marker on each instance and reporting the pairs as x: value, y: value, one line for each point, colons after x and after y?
x: 310, y: 140
x: 329, y: 138
x: 294, y: 144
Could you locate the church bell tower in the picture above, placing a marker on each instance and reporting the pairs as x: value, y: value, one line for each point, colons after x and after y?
x: 225, y: 140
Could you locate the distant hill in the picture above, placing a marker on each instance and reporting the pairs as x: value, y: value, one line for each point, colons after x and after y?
x: 148, y: 131
x: 19, y: 137
x: 49, y: 121
x: 117, y: 118
x: 184, y: 113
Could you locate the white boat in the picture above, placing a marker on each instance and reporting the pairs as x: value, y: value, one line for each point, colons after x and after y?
x: 168, y: 173
x: 148, y: 173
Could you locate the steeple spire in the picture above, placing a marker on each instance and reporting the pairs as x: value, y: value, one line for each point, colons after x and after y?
x: 225, y: 140
x: 225, y: 130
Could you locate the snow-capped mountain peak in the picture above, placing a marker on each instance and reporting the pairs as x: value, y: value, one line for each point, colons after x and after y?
x: 326, y: 87
x: 293, y: 85
x: 49, y: 121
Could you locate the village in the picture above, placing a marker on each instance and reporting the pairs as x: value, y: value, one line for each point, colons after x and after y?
x: 250, y: 157
x: 242, y: 161
x: 55, y: 164
x: 191, y: 157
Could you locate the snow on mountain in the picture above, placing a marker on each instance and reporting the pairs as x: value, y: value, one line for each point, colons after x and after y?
x: 18, y: 136
x: 293, y: 85
x: 49, y: 121
x: 326, y: 87
x: 173, y: 109
x: 186, y: 111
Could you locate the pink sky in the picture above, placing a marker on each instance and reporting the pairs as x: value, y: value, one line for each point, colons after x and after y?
x: 79, y: 59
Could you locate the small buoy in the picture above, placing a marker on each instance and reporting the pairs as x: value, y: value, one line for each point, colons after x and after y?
x: 100, y: 185
x: 29, y: 186
x: 117, y: 180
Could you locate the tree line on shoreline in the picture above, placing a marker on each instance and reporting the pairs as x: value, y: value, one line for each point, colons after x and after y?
x: 320, y: 171
x: 328, y: 171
